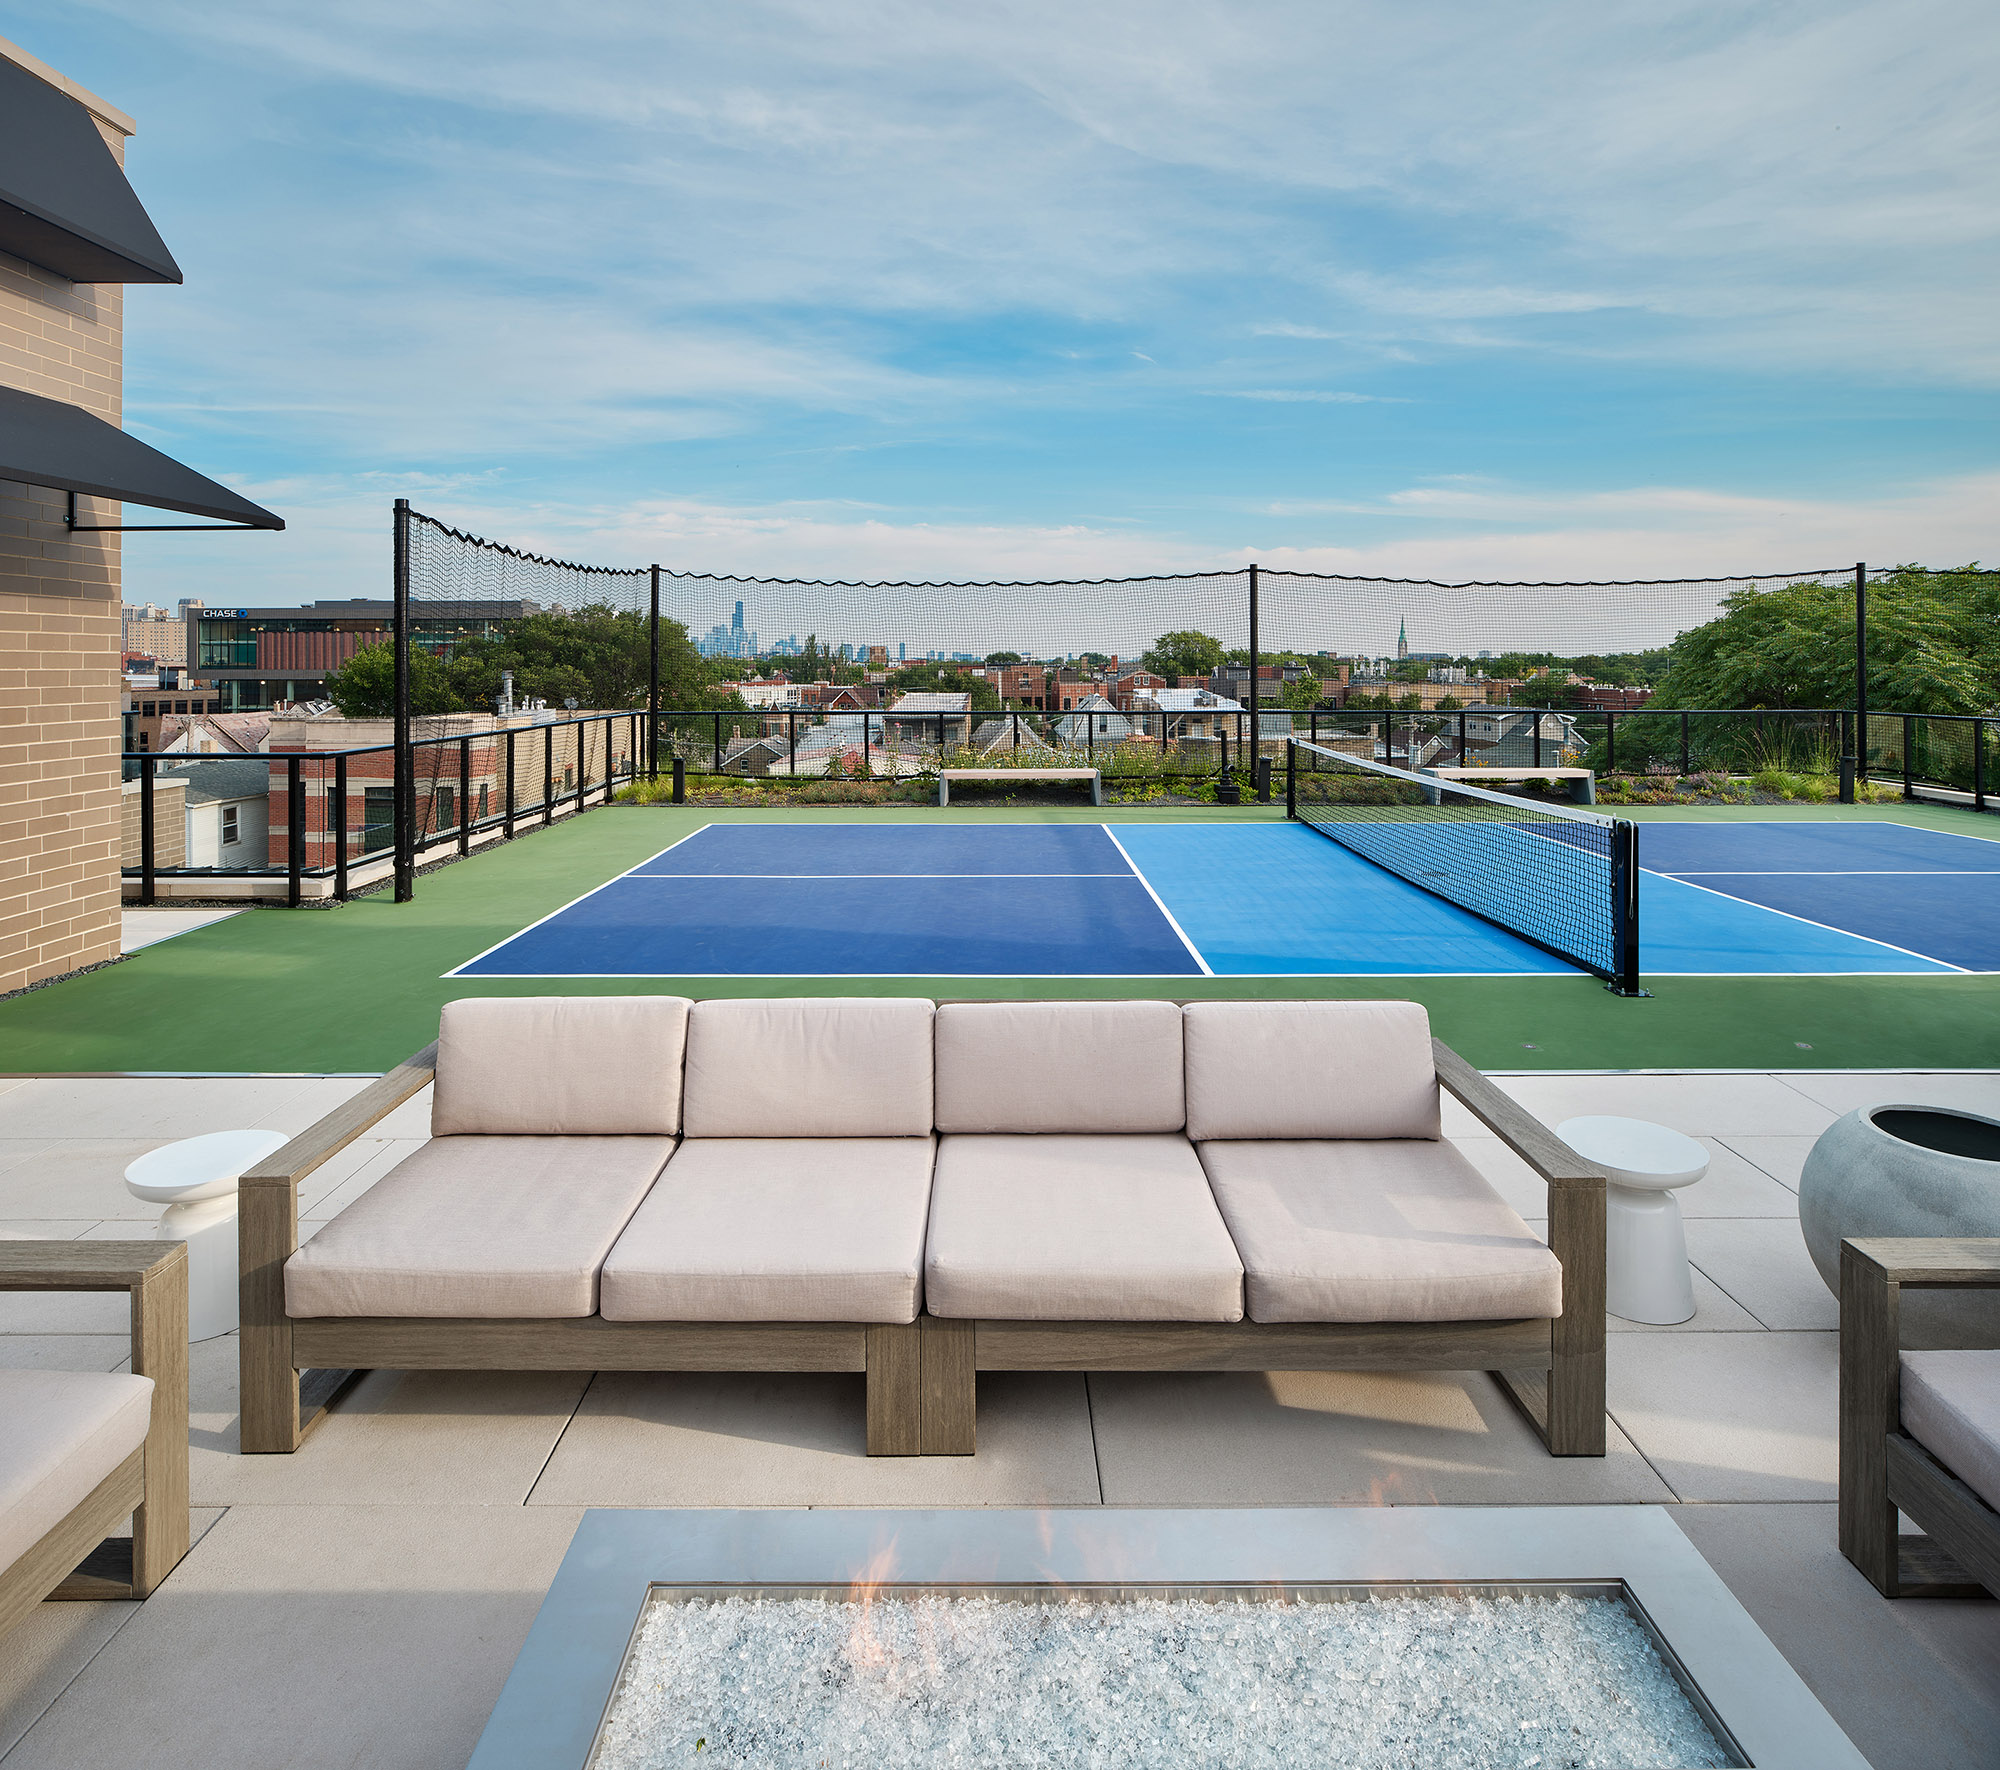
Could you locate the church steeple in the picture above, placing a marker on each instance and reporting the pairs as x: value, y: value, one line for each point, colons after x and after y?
x: 1402, y: 640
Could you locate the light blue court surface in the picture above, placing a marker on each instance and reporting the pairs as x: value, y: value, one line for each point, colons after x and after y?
x: 937, y: 899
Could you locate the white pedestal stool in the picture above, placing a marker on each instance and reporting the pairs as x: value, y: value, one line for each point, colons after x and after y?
x: 196, y: 1180
x: 1645, y: 1244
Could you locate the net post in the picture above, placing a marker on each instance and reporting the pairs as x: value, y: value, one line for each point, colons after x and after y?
x: 405, y: 761
x: 653, y: 687
x: 1291, y: 778
x: 1625, y: 907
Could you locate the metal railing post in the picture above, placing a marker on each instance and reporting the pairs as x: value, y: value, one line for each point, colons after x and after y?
x: 1538, y: 742
x: 1610, y: 742
x: 1846, y: 758
x: 295, y: 830
x: 1979, y: 765
x: 548, y: 774
x: 1909, y: 759
x: 1687, y: 761
x: 718, y: 743
x: 1291, y: 778
x: 507, y: 824
x: 148, y: 882
x: 464, y: 796
x: 336, y: 819
x: 582, y: 729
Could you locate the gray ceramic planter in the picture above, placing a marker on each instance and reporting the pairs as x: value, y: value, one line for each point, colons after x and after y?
x: 1908, y: 1170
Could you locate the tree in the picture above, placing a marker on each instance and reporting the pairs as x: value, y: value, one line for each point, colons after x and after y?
x: 598, y: 656
x: 365, y: 686
x: 1449, y: 703
x: 1933, y: 646
x: 1005, y: 657
x: 1186, y: 653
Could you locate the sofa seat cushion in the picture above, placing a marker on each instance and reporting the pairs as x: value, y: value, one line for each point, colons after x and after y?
x: 61, y: 1434
x: 777, y: 1229
x: 1399, y: 1230
x: 489, y: 1227
x: 1951, y: 1406
x: 1077, y: 1229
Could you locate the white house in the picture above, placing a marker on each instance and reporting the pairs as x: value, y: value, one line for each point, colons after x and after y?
x: 228, y: 813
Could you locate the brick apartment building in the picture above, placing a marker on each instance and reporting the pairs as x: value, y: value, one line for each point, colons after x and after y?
x: 72, y: 233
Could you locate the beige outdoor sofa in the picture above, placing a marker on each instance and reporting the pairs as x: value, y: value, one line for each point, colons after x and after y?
x: 1919, y: 1431
x: 80, y: 1451
x: 922, y: 1193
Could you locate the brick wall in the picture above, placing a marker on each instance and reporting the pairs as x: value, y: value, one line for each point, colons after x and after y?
x: 60, y: 645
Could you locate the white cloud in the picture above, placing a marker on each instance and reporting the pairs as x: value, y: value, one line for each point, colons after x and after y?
x: 1320, y: 396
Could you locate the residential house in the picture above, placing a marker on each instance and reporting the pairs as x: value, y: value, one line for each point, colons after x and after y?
x: 1507, y: 737
x: 931, y: 717
x: 1091, y: 721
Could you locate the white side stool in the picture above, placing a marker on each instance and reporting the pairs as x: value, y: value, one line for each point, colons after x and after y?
x: 1645, y: 1244
x: 196, y: 1180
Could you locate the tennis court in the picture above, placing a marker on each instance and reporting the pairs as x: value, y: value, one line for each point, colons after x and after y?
x: 935, y: 899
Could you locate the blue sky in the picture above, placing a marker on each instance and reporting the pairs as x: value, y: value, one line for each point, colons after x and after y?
x: 898, y: 289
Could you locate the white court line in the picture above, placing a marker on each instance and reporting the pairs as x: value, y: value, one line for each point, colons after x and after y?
x: 1836, y: 873
x: 1730, y: 897
x: 573, y: 902
x: 1194, y: 952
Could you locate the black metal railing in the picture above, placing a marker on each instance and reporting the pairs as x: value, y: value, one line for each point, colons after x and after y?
x: 331, y: 814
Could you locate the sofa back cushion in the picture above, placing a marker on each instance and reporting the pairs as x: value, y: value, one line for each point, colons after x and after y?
x: 1310, y: 1069
x: 831, y: 1066
x: 1060, y: 1067
x: 560, y: 1066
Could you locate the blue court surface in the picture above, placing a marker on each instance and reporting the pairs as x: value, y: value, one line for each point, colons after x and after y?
x: 1240, y: 899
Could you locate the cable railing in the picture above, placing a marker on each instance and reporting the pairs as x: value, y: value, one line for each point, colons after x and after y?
x: 323, y: 821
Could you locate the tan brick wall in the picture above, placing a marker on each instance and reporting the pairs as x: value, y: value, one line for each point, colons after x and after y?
x: 60, y: 642
x: 169, y: 824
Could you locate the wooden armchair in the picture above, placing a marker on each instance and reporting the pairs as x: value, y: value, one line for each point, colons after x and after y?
x: 1883, y: 1468
x: 75, y: 1559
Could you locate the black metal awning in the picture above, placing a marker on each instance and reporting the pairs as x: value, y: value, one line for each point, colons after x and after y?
x: 64, y: 202
x: 48, y: 442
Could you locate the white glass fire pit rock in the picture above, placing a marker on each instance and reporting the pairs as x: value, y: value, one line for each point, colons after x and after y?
x: 1645, y: 1243
x: 196, y: 1180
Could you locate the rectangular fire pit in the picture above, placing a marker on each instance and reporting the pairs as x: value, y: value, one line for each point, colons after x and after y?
x: 1404, y: 1637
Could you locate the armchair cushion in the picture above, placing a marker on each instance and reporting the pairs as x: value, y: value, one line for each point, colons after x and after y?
x: 1395, y: 1230
x: 1310, y: 1069
x: 1951, y: 1406
x: 777, y: 1229
x: 1056, y: 1228
x: 560, y: 1066
x: 828, y: 1066
x: 1059, y: 1066
x: 485, y: 1227
x: 61, y: 1433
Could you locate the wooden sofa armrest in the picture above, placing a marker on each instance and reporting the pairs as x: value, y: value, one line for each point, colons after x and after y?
x: 1924, y: 1262
x: 267, y: 1235
x: 1566, y: 1403
x: 156, y: 1275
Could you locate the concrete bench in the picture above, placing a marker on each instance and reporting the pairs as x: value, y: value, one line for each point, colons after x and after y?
x: 1583, y: 788
x: 1094, y: 776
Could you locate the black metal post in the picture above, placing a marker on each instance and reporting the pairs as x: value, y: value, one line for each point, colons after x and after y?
x: 653, y: 688
x: 1256, y: 730
x: 1909, y: 761
x: 582, y: 729
x: 464, y: 796
x: 680, y: 780
x: 1979, y: 765
x: 508, y: 826
x: 1461, y: 737
x: 792, y: 737
x: 1262, y: 775
x: 1687, y: 762
x: 295, y: 828
x: 548, y: 773
x: 1291, y: 778
x: 1538, y: 740
x: 1226, y: 790
x: 1625, y: 908
x: 148, y: 869
x: 406, y: 765
x: 867, y: 761
x: 336, y: 823
x: 718, y: 743
x: 1610, y: 742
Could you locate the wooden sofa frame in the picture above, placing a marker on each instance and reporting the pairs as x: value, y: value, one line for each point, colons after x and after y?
x: 921, y: 1377
x: 1883, y: 1470
x: 76, y: 1560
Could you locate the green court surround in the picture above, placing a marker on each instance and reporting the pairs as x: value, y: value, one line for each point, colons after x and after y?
x: 357, y: 987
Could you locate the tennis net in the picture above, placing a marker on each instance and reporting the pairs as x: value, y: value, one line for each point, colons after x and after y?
x: 1568, y: 881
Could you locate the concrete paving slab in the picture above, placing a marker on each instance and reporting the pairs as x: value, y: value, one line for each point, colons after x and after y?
x: 1841, y: 1091
x: 65, y: 1352
x: 411, y: 1119
x: 332, y: 1194
x: 1715, y: 1312
x: 1915, y: 1683
x: 762, y: 1439
x: 45, y: 1228
x: 1783, y: 1158
x: 1292, y: 1438
x: 380, y: 1636
x: 1699, y: 1105
x: 1731, y: 1416
x: 1762, y: 1262
x: 1735, y: 1186
x: 144, y: 928
x: 16, y: 1150
x: 79, y: 1177
x: 157, y: 1108
x: 395, y: 1438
